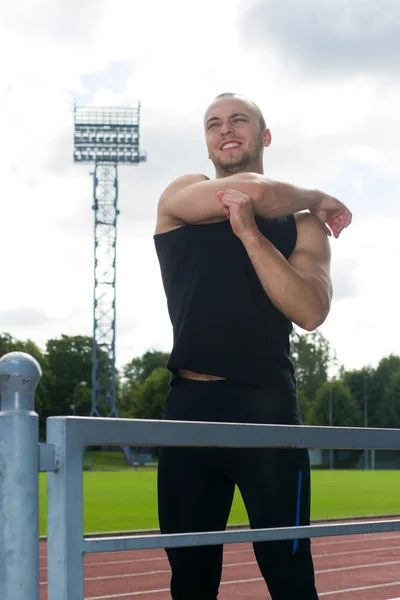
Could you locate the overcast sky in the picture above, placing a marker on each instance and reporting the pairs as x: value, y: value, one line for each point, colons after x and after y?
x: 326, y: 75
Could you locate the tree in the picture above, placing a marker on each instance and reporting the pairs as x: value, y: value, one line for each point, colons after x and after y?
x: 380, y: 390
x: 306, y: 407
x: 390, y: 405
x: 373, y: 387
x: 127, y: 398
x: 359, y: 384
x: 70, y: 360
x: 83, y: 399
x: 141, y: 367
x: 345, y: 411
x: 144, y: 385
x: 311, y: 355
x: 150, y: 398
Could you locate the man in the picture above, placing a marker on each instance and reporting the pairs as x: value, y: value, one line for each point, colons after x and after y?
x: 240, y: 262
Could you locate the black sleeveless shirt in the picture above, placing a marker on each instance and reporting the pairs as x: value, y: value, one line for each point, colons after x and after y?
x: 223, y: 322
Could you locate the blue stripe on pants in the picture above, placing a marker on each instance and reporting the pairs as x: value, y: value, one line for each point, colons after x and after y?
x: 296, y: 541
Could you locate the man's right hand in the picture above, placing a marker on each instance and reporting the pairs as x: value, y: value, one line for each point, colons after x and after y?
x: 332, y: 214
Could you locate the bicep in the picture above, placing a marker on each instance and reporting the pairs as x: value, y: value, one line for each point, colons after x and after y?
x: 190, y: 199
x: 193, y: 198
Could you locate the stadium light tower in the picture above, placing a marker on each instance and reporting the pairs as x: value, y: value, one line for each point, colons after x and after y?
x: 106, y: 137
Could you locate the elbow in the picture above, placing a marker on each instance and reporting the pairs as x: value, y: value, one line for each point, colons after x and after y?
x: 255, y: 186
x: 318, y: 311
x: 315, y: 319
x: 311, y: 324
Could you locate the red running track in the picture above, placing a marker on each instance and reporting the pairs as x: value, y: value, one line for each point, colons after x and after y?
x: 357, y: 567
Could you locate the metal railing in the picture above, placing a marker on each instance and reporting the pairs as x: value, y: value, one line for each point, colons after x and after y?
x: 21, y: 458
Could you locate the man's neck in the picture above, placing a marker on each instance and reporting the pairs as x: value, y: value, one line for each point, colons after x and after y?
x: 219, y: 174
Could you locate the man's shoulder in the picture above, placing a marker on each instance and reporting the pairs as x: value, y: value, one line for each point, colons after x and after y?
x: 307, y: 224
x: 310, y: 233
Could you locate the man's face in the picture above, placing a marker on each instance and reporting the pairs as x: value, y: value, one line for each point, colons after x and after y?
x: 233, y: 135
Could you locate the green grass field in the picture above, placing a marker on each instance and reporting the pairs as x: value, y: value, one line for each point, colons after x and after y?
x: 126, y: 500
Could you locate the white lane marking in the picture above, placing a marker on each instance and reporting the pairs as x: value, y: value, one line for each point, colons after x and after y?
x: 356, y: 539
x: 348, y: 552
x: 163, y: 571
x: 146, y: 592
x: 356, y: 589
x: 163, y: 558
x: 373, y: 565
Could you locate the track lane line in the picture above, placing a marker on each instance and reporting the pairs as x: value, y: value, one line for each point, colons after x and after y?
x: 164, y: 571
x: 325, y: 555
x: 160, y: 590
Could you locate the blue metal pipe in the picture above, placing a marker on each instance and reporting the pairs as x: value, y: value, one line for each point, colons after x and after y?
x: 19, y: 478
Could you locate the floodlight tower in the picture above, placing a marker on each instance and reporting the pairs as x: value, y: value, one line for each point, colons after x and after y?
x: 106, y: 137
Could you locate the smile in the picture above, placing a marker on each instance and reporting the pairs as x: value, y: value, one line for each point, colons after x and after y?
x: 230, y: 146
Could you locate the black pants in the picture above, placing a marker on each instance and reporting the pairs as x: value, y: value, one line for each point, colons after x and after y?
x: 196, y: 487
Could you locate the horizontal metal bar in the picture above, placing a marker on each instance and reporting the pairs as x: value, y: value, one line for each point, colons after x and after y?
x: 48, y: 458
x: 148, y: 542
x: 145, y: 432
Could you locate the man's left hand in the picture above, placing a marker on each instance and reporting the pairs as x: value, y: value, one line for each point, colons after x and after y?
x: 239, y: 209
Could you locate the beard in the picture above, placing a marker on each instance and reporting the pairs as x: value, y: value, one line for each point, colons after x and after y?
x: 233, y: 164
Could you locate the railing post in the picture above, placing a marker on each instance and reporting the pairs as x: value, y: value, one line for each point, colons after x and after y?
x: 19, y: 478
x: 65, y: 543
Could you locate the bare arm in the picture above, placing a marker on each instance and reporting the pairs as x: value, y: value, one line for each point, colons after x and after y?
x: 193, y: 198
x: 301, y: 287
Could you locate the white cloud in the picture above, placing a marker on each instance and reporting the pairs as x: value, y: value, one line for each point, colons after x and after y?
x: 327, y: 38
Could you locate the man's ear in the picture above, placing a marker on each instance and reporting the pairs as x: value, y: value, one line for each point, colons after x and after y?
x: 267, y: 138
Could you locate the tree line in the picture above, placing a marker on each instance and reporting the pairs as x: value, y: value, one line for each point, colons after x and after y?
x: 142, y: 384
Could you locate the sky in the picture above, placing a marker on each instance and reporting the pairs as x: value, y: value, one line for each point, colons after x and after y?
x: 326, y: 76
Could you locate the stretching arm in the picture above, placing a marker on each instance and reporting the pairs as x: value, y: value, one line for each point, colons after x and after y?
x: 193, y: 198
x: 300, y: 287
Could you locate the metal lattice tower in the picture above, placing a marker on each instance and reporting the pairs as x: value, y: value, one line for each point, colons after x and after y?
x: 105, y: 191
x: 106, y: 137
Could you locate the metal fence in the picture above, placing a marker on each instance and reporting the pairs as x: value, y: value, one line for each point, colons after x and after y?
x: 22, y: 457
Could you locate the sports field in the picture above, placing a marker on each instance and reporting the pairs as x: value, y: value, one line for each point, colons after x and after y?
x: 126, y: 500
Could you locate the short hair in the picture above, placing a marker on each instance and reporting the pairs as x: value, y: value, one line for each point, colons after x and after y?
x: 261, y: 119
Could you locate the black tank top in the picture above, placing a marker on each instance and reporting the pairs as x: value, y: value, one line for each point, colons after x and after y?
x: 223, y: 322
